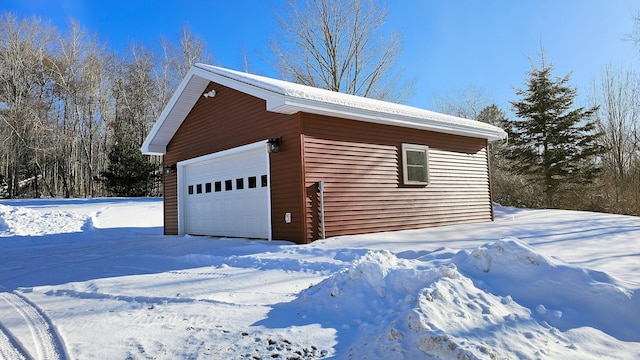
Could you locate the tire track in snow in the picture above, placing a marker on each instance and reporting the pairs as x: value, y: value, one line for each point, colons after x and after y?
x: 47, y: 343
x: 9, y: 347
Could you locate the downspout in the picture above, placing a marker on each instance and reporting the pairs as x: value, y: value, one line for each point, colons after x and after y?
x: 488, y: 156
x: 321, y: 190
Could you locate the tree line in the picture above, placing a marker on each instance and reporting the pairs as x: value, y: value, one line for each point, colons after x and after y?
x: 73, y: 113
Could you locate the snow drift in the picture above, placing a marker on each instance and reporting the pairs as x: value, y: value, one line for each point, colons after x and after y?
x: 411, y: 308
x: 564, y: 296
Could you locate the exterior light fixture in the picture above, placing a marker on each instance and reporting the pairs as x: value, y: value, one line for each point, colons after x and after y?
x: 170, y: 169
x: 209, y: 94
x: 273, y: 145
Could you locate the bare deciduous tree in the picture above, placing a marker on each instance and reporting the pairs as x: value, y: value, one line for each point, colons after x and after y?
x: 175, y: 60
x: 188, y: 50
x: 340, y: 46
x: 467, y: 103
x: 634, y: 35
x: 618, y: 94
x: 82, y: 88
x: 61, y: 96
x: 144, y: 82
x: 25, y: 87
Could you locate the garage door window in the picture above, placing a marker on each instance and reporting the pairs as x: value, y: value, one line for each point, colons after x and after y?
x: 252, y: 182
x: 216, y: 186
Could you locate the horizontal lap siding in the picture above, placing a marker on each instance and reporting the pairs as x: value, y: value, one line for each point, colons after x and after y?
x: 233, y: 119
x: 170, y: 204
x: 286, y: 187
x: 360, y: 164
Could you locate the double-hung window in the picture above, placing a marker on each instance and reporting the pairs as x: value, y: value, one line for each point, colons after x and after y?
x: 415, y: 166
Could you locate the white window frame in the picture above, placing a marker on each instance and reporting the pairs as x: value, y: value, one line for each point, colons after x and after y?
x: 405, y: 173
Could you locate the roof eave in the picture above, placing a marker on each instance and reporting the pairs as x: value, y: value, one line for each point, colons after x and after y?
x: 153, y: 149
x: 199, y: 76
x: 291, y: 105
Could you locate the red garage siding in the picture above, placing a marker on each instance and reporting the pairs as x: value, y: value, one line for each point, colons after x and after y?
x: 170, y: 204
x: 360, y: 164
x: 233, y: 119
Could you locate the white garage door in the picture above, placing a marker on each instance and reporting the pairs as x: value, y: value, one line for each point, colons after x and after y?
x: 227, y: 193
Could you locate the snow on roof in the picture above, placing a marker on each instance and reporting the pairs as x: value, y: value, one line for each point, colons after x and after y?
x: 290, y: 98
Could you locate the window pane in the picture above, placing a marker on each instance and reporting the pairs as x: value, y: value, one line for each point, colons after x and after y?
x: 228, y: 185
x: 264, y: 180
x: 190, y: 189
x: 252, y: 182
x: 207, y: 187
x: 416, y: 173
x: 415, y: 157
x: 218, y: 186
x: 199, y: 188
x: 239, y: 184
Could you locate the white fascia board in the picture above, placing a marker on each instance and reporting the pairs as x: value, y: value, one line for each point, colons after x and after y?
x: 291, y: 105
x: 153, y: 149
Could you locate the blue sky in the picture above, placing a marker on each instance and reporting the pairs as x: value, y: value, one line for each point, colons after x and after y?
x: 448, y: 46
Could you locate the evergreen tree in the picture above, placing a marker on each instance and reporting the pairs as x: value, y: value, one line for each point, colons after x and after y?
x: 493, y: 115
x: 551, y: 143
x: 129, y: 172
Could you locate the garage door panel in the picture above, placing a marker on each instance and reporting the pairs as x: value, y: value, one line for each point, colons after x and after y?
x: 227, y: 206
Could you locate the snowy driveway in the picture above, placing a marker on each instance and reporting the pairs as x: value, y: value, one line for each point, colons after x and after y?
x: 96, y: 279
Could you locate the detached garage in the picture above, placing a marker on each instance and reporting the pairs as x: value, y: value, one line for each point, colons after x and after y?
x: 249, y: 156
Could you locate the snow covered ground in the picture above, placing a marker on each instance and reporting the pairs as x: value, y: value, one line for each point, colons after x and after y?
x: 96, y: 279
